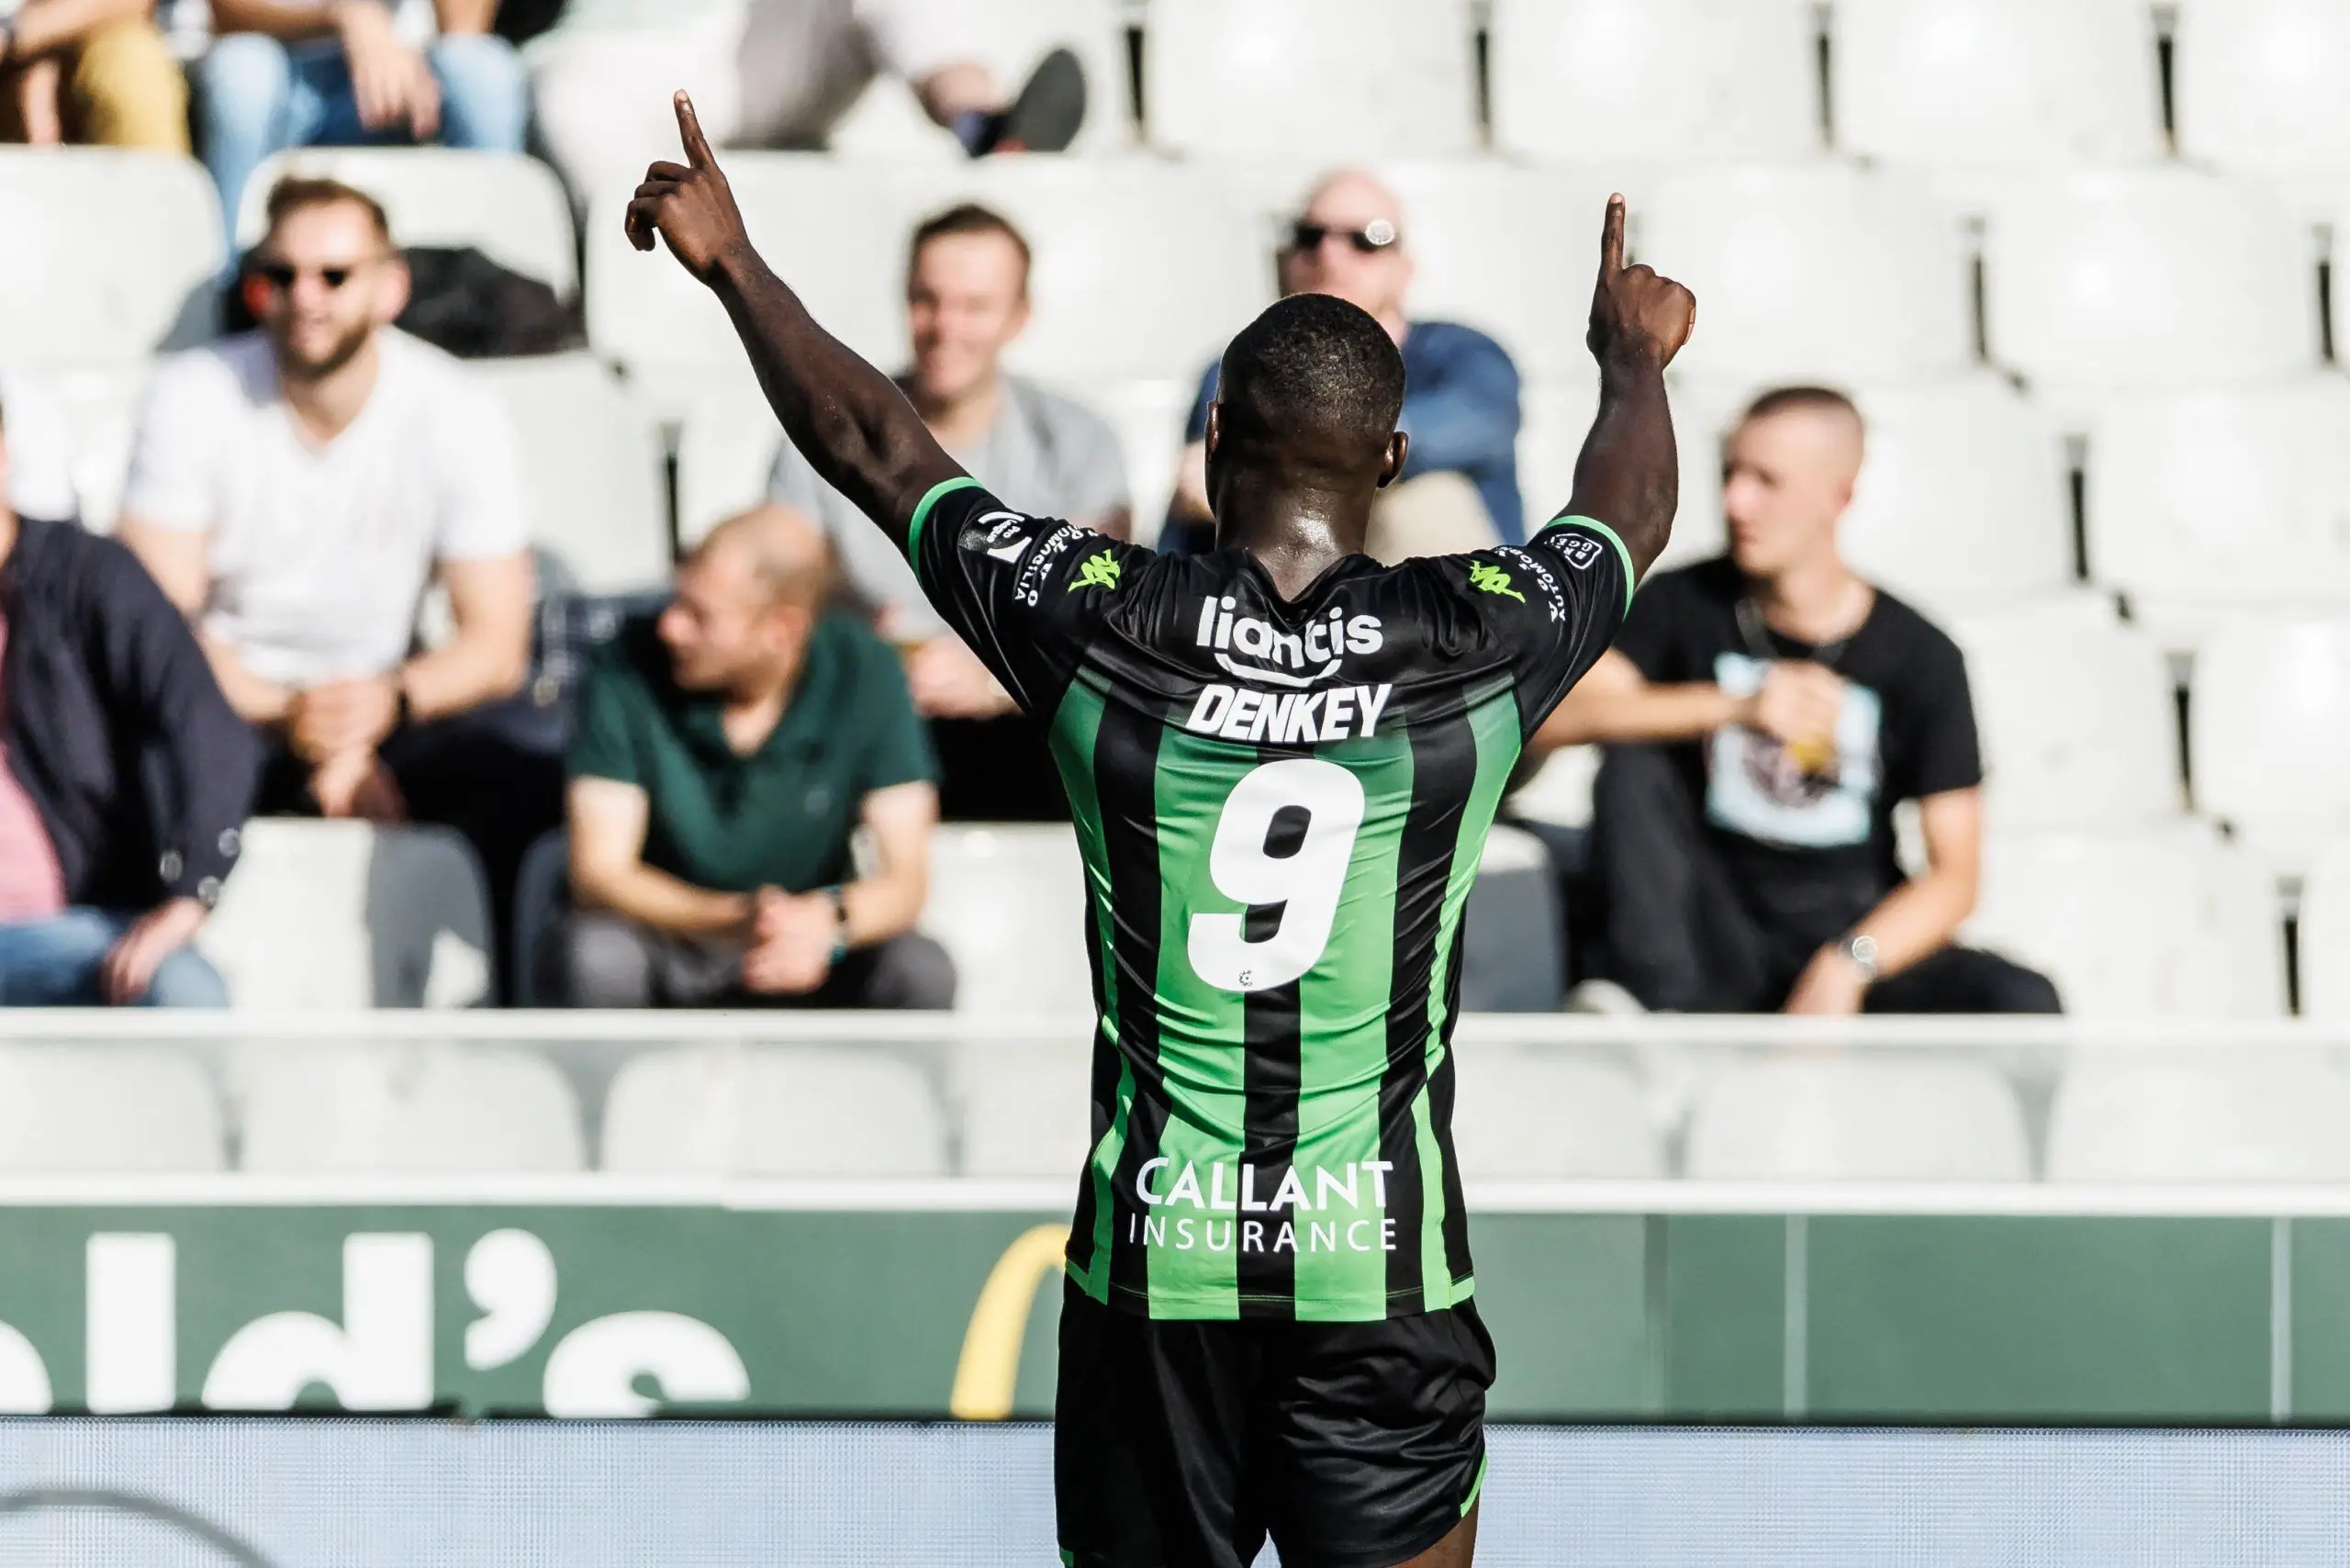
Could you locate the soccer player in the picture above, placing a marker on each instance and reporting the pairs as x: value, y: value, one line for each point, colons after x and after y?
x: 1282, y: 760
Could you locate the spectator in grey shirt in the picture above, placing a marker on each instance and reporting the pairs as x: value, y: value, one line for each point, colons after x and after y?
x: 966, y: 300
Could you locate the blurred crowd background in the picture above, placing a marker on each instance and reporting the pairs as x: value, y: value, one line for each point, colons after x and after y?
x: 408, y: 600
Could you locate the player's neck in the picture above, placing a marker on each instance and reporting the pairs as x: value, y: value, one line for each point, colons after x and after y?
x: 1818, y: 599
x: 1294, y: 534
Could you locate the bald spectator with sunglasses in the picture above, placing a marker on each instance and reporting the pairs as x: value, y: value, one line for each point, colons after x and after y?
x: 1458, y: 488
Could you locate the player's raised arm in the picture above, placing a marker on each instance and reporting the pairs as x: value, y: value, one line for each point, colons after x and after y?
x: 849, y: 420
x: 1629, y: 475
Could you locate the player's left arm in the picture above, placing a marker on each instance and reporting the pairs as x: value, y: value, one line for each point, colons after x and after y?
x: 1918, y: 918
x: 849, y: 420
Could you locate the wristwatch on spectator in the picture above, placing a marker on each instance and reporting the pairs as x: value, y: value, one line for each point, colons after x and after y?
x: 1860, y: 951
x: 840, y: 921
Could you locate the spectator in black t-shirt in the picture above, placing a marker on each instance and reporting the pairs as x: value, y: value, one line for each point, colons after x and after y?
x: 1764, y: 713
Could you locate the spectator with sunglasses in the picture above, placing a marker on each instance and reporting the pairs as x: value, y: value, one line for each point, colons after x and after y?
x: 297, y: 488
x: 1458, y: 489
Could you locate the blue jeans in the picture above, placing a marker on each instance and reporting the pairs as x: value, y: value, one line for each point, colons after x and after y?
x: 54, y: 963
x: 256, y: 96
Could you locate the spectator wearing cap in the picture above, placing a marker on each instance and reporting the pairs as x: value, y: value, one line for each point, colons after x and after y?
x: 1458, y: 488
x: 966, y: 301
x: 773, y: 73
x: 296, y: 489
x: 284, y: 73
x: 724, y: 754
x: 124, y: 777
x: 89, y: 70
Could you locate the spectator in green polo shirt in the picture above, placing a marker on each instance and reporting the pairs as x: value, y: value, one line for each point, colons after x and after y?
x: 724, y: 752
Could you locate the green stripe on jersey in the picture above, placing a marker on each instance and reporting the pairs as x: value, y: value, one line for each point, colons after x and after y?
x: 1342, y: 1019
x: 1074, y: 728
x: 922, y: 514
x: 1202, y: 1048
x: 1493, y: 722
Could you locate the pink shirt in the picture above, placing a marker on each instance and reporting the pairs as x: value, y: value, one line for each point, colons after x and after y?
x: 31, y: 886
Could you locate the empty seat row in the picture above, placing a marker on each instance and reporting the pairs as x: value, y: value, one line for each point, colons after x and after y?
x: 2165, y: 1114
x: 2096, y: 283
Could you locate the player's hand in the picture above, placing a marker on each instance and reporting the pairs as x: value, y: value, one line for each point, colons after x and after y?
x: 1797, y: 704
x: 691, y: 207
x: 1636, y: 312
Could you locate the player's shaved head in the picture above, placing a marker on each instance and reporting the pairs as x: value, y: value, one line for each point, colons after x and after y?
x: 1314, y: 384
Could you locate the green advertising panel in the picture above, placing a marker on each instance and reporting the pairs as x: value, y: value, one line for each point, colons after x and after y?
x: 609, y: 1309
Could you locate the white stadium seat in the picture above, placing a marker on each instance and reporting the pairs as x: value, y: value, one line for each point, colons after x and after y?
x: 509, y: 206
x: 2245, y: 1115
x: 43, y: 471
x: 311, y: 1108
x: 2268, y: 730
x: 1026, y: 1110
x: 2259, y: 84
x: 1823, y: 272
x: 726, y: 1110
x: 1526, y: 1115
x: 2325, y: 934
x: 1878, y: 1120
x: 2078, y: 720
x: 2166, y: 922
x: 2147, y: 279
x: 132, y: 272
x: 1331, y: 79
x: 86, y: 1108
x: 1663, y: 80
x: 1490, y: 242
x: 1148, y: 417
x: 2203, y: 501
x: 1143, y: 269
x: 593, y: 470
x: 1965, y: 498
x: 1008, y: 903
x: 322, y: 915
x: 1009, y: 36
x: 2011, y: 82
x: 726, y: 448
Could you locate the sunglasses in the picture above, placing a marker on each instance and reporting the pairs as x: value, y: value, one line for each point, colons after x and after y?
x: 1368, y: 241
x: 282, y: 276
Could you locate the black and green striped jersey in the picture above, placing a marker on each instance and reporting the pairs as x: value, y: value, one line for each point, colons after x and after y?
x: 1280, y: 806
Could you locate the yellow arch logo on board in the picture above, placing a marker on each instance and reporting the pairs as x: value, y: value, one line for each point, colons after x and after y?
x: 989, y: 1368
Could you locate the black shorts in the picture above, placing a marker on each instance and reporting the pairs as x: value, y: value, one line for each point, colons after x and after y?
x: 1183, y: 1445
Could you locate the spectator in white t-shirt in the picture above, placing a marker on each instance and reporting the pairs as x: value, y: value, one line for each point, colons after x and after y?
x: 296, y: 490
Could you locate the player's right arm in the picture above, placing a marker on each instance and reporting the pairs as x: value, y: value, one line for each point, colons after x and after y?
x: 849, y: 420
x: 1629, y: 474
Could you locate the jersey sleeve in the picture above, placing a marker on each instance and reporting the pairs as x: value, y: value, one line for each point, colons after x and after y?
x: 1555, y: 603
x: 1026, y: 594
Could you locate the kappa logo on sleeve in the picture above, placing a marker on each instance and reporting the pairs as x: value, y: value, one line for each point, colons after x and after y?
x: 1099, y: 570
x: 1486, y: 577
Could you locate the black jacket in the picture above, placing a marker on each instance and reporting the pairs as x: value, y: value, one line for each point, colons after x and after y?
x: 143, y: 772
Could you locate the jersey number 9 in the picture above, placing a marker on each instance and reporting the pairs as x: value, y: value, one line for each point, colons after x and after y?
x: 1306, y: 883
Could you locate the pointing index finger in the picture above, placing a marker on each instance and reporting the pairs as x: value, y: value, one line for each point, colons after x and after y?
x: 1611, y: 237
x: 690, y: 132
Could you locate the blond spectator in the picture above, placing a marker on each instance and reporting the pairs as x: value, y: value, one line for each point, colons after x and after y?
x: 89, y: 70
